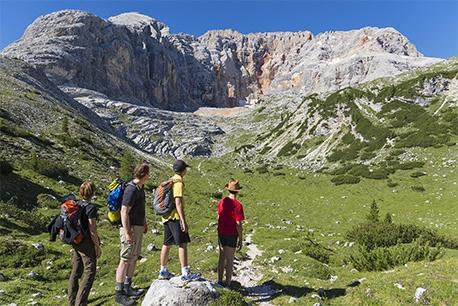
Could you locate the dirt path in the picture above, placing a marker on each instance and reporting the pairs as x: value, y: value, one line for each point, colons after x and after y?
x: 249, y: 276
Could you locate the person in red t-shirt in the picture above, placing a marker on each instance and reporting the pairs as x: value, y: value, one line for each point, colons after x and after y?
x: 230, y: 231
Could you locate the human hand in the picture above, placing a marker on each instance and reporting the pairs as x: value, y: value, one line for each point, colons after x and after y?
x: 184, y: 226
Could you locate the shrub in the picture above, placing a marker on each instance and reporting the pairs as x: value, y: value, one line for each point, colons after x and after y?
x: 387, y: 257
x: 36, y: 222
x: 17, y: 254
x: 418, y: 188
x: 345, y: 179
x: 319, y: 270
x: 383, y: 234
x: 392, y: 184
x: 262, y: 169
x: 47, y: 200
x: 229, y: 297
x: 48, y: 167
x: 417, y: 174
x: 5, y: 167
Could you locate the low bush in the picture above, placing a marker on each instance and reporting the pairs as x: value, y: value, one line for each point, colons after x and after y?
x: 384, y: 258
x: 319, y: 270
x: 229, y: 297
x: 5, y: 167
x: 418, y: 188
x: 47, y: 167
x: 35, y: 221
x: 17, y: 254
x: 262, y: 169
x: 345, y: 179
x: 417, y: 174
x: 47, y: 200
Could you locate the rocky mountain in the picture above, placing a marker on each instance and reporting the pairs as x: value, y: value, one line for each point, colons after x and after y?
x: 134, y: 58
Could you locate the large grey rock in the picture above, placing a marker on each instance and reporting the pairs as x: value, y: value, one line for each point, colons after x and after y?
x: 134, y: 58
x: 175, y: 292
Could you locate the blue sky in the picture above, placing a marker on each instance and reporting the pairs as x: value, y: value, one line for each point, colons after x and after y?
x: 431, y: 25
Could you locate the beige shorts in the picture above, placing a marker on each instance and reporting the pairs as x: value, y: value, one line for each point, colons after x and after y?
x: 131, y: 251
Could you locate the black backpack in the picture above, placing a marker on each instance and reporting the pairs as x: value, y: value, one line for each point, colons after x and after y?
x: 67, y: 225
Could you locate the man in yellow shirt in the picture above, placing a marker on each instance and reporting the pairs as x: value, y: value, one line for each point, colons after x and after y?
x: 176, y: 228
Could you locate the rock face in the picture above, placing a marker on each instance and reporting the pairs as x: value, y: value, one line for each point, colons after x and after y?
x: 134, y: 58
x: 175, y: 292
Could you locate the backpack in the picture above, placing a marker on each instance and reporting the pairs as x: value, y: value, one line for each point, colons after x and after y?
x: 67, y: 225
x: 114, y: 200
x: 163, y: 201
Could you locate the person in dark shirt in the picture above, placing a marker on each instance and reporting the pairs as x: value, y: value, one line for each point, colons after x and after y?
x: 230, y: 232
x: 86, y: 253
x: 131, y: 233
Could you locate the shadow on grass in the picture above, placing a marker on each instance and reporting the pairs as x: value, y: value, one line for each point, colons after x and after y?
x: 21, y: 191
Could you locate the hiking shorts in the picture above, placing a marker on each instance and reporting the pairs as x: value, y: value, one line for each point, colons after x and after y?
x: 173, y: 233
x: 229, y: 241
x: 130, y: 251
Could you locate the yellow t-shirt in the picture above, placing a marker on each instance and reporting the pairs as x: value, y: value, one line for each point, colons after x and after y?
x: 178, y: 187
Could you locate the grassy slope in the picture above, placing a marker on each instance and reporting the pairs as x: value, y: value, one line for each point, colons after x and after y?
x: 273, y: 200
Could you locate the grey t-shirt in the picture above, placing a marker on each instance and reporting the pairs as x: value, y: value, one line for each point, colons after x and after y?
x: 134, y: 197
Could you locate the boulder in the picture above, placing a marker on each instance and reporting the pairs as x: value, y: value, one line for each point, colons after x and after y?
x: 177, y: 292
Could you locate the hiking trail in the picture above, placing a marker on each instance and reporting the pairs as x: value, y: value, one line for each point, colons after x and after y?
x: 249, y: 276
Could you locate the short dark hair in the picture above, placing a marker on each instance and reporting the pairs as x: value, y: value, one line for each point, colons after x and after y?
x: 141, y: 170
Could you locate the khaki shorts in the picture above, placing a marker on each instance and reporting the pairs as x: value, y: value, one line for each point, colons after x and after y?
x: 131, y: 251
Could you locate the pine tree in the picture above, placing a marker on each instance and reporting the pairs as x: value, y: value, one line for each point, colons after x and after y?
x: 373, y: 215
x: 388, y: 219
x: 65, y: 125
x: 127, y: 165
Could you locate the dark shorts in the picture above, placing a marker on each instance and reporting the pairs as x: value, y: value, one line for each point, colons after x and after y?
x: 230, y: 241
x: 173, y: 233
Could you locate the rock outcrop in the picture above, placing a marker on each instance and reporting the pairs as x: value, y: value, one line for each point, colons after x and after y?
x: 175, y: 292
x: 134, y: 58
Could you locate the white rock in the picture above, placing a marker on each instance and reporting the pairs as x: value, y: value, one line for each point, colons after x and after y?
x: 210, y: 248
x: 38, y: 246
x: 399, y: 286
x: 333, y: 278
x: 151, y: 247
x: 176, y: 292
x: 419, y: 293
x: 292, y: 300
x: 144, y: 259
x: 281, y: 251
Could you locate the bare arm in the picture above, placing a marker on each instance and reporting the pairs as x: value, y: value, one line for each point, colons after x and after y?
x: 126, y: 222
x: 180, y: 209
x: 94, y: 236
x: 240, y: 233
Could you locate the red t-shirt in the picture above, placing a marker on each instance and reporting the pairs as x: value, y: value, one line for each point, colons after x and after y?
x: 230, y: 211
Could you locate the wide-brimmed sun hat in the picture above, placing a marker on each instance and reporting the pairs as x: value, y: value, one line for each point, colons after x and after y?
x: 233, y: 186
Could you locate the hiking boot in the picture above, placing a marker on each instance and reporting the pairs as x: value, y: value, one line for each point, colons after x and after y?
x: 190, y: 277
x: 221, y: 284
x: 129, y: 291
x: 165, y: 275
x: 123, y: 300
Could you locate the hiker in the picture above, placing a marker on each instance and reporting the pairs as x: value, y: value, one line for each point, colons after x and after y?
x: 85, y: 253
x: 131, y: 233
x: 230, y: 231
x: 176, y: 228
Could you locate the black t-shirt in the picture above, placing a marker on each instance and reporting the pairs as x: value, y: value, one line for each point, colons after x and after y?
x: 134, y: 197
x: 89, y: 212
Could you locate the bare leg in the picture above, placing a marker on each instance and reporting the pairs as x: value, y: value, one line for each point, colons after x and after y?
x: 165, y: 254
x: 221, y: 263
x: 131, y: 268
x: 183, y: 254
x: 229, y: 254
x: 121, y: 272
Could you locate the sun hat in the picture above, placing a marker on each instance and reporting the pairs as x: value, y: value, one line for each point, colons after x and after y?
x: 233, y: 186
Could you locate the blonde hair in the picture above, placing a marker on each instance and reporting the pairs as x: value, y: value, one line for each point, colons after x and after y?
x: 141, y: 170
x: 87, y: 190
